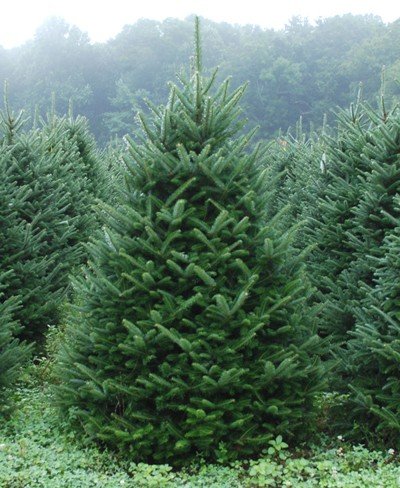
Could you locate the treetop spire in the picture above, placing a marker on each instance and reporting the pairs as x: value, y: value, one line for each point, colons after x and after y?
x: 197, y: 46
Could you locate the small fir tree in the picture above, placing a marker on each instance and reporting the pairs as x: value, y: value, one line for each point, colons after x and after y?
x: 36, y: 272
x: 375, y: 215
x: 328, y: 230
x: 296, y: 165
x: 373, y: 357
x: 13, y: 239
x: 190, y: 332
x: 73, y: 134
x: 374, y: 349
x: 83, y: 178
x: 54, y: 171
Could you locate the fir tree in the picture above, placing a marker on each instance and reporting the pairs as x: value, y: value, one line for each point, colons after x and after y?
x: 296, y: 168
x: 36, y: 274
x: 190, y: 332
x: 73, y: 134
x: 374, y: 349
x: 328, y: 230
x: 374, y: 217
x: 373, y: 357
x: 355, y: 266
x: 80, y: 172
x: 54, y: 171
x: 13, y: 238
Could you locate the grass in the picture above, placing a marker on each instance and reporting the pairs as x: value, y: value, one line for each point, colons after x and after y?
x: 37, y: 450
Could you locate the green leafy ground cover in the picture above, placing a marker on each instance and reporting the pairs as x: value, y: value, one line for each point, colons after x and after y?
x: 37, y: 451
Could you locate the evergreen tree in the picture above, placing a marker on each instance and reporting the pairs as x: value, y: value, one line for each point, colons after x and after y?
x: 114, y: 168
x: 375, y: 401
x: 73, y: 134
x: 190, y: 332
x: 296, y: 166
x: 356, y: 269
x: 13, y: 236
x: 53, y: 170
x: 373, y: 218
x: 83, y: 177
x: 36, y: 276
x: 373, y: 353
x: 13, y: 353
x: 340, y: 192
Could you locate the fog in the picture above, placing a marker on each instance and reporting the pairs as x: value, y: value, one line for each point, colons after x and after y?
x: 102, y: 20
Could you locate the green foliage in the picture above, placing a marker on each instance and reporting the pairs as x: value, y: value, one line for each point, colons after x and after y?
x: 53, y: 172
x: 374, y: 352
x: 355, y: 268
x: 13, y: 353
x: 191, y: 332
x: 36, y: 450
x: 340, y: 193
x: 14, y: 236
x: 375, y: 216
x: 295, y: 165
x: 302, y: 70
x: 277, y: 448
x: 349, y: 222
x: 340, y: 467
x: 71, y: 136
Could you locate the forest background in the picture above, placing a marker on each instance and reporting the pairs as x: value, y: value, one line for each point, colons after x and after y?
x: 303, y: 70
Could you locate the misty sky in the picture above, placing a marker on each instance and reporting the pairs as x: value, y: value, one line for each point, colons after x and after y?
x: 103, y: 19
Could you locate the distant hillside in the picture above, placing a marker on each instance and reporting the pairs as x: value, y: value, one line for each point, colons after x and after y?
x: 303, y: 70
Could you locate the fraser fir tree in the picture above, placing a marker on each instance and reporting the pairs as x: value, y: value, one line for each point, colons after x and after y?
x: 79, y: 170
x: 13, y: 238
x: 356, y: 267
x: 53, y: 170
x: 374, y: 360
x: 190, y: 332
x: 36, y: 273
x: 343, y: 166
x: 295, y: 165
x: 374, y: 216
x: 73, y: 135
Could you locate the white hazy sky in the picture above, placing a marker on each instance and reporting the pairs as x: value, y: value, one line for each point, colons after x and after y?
x: 103, y: 19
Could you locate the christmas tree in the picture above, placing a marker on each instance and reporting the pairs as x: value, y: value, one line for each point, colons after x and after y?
x: 374, y: 348
x: 296, y: 168
x: 36, y: 274
x: 375, y: 215
x: 13, y: 239
x: 79, y: 170
x: 340, y: 190
x: 190, y: 332
x: 73, y: 135
x: 53, y: 171
x: 373, y: 352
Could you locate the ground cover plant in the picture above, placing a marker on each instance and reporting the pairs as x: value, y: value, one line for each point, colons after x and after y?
x: 38, y: 451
